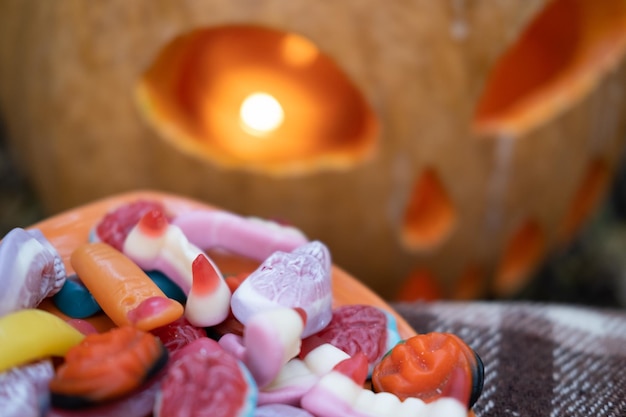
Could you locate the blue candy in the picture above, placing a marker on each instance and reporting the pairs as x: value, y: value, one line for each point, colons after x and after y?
x: 169, y: 288
x: 75, y: 300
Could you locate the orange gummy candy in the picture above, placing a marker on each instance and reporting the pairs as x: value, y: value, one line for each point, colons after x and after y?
x: 428, y: 367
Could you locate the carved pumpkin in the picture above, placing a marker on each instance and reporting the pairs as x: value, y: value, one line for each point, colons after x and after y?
x: 451, y: 141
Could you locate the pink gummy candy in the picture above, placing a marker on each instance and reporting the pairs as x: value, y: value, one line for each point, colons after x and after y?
x: 301, y: 278
x: 207, y: 382
x: 251, y: 237
x: 280, y: 410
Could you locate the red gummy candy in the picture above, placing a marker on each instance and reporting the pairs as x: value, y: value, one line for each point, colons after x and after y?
x: 210, y: 381
x: 353, y: 329
x: 178, y: 334
x: 115, y: 225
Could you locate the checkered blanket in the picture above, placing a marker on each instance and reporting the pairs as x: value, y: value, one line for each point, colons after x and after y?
x: 540, y: 359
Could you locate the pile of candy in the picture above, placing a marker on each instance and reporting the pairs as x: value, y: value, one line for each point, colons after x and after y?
x: 148, y: 325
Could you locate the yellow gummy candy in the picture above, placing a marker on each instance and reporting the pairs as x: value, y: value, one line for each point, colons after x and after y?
x: 31, y: 334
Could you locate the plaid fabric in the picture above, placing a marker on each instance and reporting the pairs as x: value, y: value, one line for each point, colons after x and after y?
x: 540, y: 359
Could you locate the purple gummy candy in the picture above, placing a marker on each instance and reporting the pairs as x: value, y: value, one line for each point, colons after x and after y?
x: 24, y: 389
x: 301, y: 278
x: 30, y: 270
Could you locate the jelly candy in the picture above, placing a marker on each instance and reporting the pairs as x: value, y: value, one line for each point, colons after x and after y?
x: 115, y: 225
x: 301, y: 278
x: 75, y: 300
x: 431, y: 366
x: 31, y: 334
x: 24, y: 389
x: 107, y: 366
x: 210, y: 380
x: 178, y: 334
x: 125, y: 293
x: 208, y: 302
x: 251, y: 237
x: 30, y: 270
x: 340, y: 393
x: 155, y: 244
x: 358, y: 328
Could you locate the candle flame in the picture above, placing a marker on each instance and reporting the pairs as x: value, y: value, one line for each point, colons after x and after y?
x: 261, y: 114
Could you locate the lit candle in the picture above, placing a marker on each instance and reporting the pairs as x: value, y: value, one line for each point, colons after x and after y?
x: 261, y: 114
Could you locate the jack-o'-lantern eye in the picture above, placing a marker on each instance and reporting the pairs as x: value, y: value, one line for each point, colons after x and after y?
x: 558, y: 58
x: 255, y: 98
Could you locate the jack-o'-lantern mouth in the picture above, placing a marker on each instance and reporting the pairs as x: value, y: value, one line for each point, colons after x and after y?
x: 259, y: 99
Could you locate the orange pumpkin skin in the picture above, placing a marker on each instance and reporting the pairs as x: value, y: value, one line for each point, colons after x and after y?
x: 463, y: 158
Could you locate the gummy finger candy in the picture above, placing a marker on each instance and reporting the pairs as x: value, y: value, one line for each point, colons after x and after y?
x: 125, y: 293
x: 106, y: 366
x: 301, y: 278
x: 30, y: 334
x: 431, y: 366
x: 30, y: 270
x: 251, y: 237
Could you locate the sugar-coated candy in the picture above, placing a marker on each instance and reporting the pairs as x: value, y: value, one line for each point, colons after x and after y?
x: 251, y: 237
x: 31, y: 334
x: 297, y: 279
x: 107, y: 366
x: 431, y: 366
x: 124, y: 291
x: 30, y: 270
x: 24, y: 389
x: 207, y: 381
